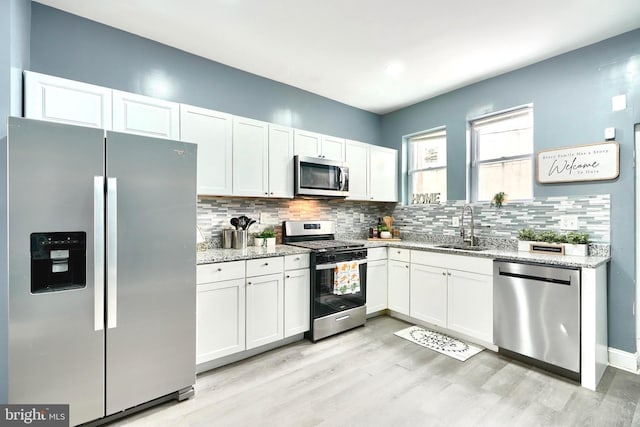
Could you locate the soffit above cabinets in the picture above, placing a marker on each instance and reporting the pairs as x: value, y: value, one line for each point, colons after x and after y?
x: 372, y: 54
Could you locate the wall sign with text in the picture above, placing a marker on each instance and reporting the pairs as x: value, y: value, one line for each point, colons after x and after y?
x: 590, y: 162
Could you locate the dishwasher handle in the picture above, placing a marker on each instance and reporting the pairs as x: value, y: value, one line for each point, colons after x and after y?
x: 553, y: 280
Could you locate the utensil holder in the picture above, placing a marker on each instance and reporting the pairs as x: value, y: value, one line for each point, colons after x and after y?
x: 239, y: 239
x: 227, y: 238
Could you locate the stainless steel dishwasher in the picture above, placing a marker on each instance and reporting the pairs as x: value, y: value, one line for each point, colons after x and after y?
x: 537, y: 314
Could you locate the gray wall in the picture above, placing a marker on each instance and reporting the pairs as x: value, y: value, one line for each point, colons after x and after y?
x: 15, y: 18
x: 68, y: 46
x: 571, y: 94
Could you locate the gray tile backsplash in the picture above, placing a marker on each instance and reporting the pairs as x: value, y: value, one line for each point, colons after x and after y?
x: 352, y: 218
x: 431, y: 223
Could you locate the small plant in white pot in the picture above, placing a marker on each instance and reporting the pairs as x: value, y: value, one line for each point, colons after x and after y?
x: 265, y: 238
x: 577, y: 244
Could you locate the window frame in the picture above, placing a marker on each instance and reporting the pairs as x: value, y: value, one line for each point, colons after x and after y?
x: 434, y: 133
x: 474, y: 164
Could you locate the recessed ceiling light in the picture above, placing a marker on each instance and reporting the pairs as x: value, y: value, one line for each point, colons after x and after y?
x: 394, y: 68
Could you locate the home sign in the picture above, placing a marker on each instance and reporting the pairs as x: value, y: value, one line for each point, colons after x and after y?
x: 590, y: 162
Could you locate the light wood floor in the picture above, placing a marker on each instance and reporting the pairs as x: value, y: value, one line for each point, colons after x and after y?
x: 369, y: 377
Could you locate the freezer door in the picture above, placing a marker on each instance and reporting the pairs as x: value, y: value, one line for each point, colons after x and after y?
x: 151, y: 306
x: 56, y: 347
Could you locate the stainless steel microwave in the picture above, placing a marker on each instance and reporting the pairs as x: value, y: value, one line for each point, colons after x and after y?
x: 314, y: 177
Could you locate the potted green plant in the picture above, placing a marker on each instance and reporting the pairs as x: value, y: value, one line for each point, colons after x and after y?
x: 266, y: 237
x: 577, y: 244
x: 572, y: 243
x: 498, y: 199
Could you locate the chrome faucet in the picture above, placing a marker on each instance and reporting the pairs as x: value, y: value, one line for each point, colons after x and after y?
x: 471, y: 240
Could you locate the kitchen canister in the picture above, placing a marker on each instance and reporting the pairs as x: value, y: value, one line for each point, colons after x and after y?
x: 239, y: 239
x: 227, y: 238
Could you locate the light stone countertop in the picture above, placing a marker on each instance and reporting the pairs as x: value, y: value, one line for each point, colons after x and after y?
x: 221, y: 255
x: 502, y: 254
x: 252, y: 252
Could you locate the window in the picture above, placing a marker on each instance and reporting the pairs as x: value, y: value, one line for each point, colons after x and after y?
x: 428, y: 167
x: 502, y: 155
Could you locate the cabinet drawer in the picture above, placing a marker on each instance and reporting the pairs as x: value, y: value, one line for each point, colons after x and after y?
x: 478, y: 265
x: 295, y: 262
x: 262, y: 266
x: 398, y: 254
x: 207, y: 273
x: 376, y: 254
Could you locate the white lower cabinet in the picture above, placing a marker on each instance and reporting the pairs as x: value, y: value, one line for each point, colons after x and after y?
x: 297, y: 301
x: 220, y: 310
x: 428, y: 294
x: 398, y: 286
x: 221, y: 319
x: 265, y: 311
x: 454, y: 292
x: 470, y: 304
x: 377, y: 298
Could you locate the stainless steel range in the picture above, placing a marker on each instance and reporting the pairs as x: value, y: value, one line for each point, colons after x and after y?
x: 338, y: 277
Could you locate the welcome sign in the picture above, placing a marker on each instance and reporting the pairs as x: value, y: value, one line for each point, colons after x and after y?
x: 591, y: 162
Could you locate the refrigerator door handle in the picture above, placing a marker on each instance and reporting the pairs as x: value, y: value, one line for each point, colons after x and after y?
x: 98, y: 252
x: 112, y: 252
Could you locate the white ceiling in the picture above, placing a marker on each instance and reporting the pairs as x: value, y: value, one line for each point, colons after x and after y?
x: 341, y: 49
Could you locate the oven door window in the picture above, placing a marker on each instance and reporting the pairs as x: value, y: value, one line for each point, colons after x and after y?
x: 326, y: 301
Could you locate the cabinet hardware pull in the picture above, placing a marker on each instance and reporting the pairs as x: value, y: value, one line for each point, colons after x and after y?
x: 448, y: 274
x: 444, y: 274
x: 219, y: 269
x: 248, y: 283
x: 266, y: 263
x: 297, y: 258
x: 288, y: 277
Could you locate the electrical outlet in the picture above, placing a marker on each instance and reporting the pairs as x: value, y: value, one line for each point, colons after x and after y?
x: 260, y: 218
x: 455, y: 221
x: 569, y: 222
x: 361, y: 217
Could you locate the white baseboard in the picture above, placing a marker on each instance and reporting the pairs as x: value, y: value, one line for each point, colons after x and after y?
x: 623, y: 360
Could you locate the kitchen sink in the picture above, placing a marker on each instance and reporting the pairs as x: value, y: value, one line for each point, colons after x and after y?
x: 462, y: 247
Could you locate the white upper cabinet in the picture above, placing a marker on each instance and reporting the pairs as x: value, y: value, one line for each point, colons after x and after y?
x: 280, y: 161
x: 311, y: 144
x: 143, y: 115
x: 250, y: 157
x: 66, y: 101
x: 332, y: 147
x: 212, y: 131
x: 307, y: 144
x: 383, y: 174
x: 357, y: 157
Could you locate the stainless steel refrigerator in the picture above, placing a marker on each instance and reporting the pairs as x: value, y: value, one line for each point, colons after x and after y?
x: 101, y: 253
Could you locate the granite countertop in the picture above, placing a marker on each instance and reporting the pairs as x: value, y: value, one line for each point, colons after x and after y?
x: 220, y: 255
x: 252, y: 252
x: 509, y: 255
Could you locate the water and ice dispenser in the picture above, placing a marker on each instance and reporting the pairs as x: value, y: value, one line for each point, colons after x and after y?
x: 58, y: 261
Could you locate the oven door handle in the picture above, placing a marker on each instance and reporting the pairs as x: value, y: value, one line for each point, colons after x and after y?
x: 332, y: 266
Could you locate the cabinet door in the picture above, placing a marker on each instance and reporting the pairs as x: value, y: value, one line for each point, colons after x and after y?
x: 280, y: 161
x: 332, y: 148
x: 143, y: 115
x: 66, y: 101
x: 220, y: 314
x: 398, y: 286
x: 376, y: 286
x: 429, y: 294
x: 265, y: 314
x: 297, y: 302
x: 357, y: 156
x: 307, y: 144
x: 250, y: 157
x: 211, y: 130
x: 470, y: 304
x: 383, y: 174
